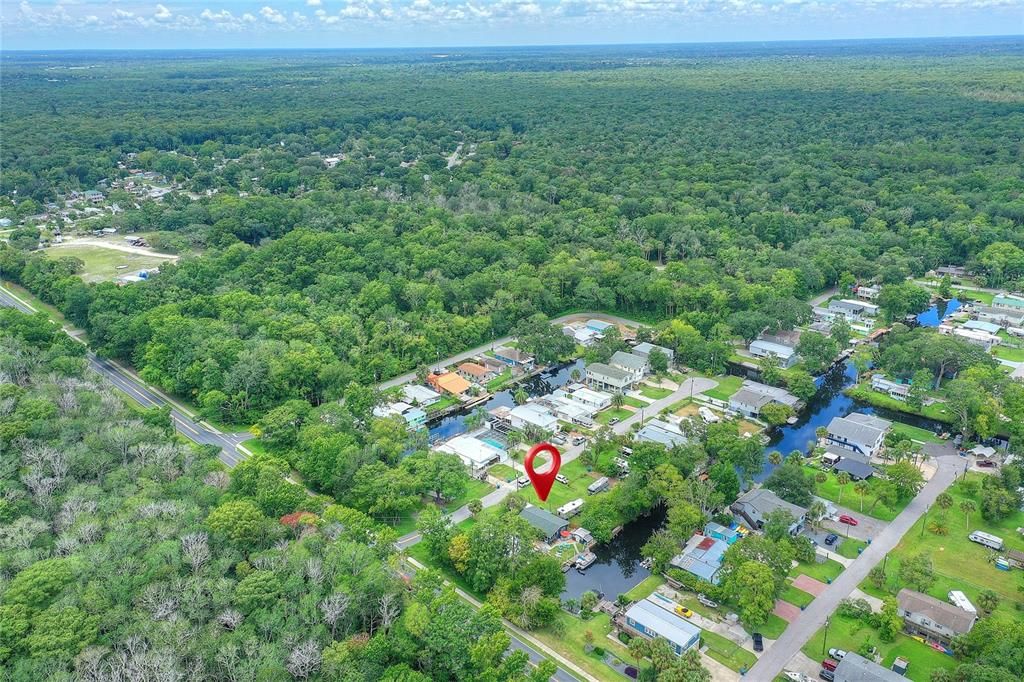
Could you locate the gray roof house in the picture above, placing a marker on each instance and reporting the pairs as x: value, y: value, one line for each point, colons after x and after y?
x: 647, y: 619
x: 662, y: 432
x: 853, y: 310
x: 762, y: 348
x: 754, y: 505
x: 644, y: 350
x: 858, y: 432
x: 607, y: 378
x: 634, y: 364
x: 858, y: 468
x: 856, y: 668
x: 930, y: 618
x: 891, y: 388
x: 547, y: 523
x: 752, y: 396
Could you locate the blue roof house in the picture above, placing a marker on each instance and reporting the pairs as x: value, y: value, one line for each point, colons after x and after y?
x: 702, y: 557
x: 647, y: 619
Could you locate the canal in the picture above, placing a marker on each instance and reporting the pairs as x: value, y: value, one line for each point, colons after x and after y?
x: 938, y: 312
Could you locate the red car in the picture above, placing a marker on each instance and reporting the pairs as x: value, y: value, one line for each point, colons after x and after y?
x: 830, y: 664
x: 848, y: 520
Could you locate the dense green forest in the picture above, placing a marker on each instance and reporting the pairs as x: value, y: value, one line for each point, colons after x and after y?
x: 691, y: 189
x: 124, y: 551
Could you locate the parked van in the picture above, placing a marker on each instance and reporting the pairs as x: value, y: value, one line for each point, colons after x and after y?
x: 597, y: 486
x: 986, y: 539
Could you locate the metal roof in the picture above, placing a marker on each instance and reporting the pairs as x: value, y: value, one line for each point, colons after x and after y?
x: 664, y: 623
x: 543, y: 520
x: 607, y: 371
x: 947, y: 615
x: 628, y: 360
x: 855, y: 668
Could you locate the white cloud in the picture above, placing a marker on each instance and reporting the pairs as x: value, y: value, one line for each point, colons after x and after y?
x: 272, y: 15
x: 314, y: 3
x: 162, y: 13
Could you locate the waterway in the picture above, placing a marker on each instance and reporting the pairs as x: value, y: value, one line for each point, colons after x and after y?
x: 617, y: 569
x: 538, y: 385
x: 942, y: 309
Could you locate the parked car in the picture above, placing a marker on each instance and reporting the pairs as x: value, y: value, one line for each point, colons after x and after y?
x: 707, y: 602
x: 838, y: 654
x: 578, y: 440
x: 758, y: 641
x: 827, y: 675
x: 986, y: 463
x: 830, y: 539
x: 848, y: 520
x: 558, y: 439
x: 613, y: 421
x: 830, y: 664
x: 562, y: 478
x: 684, y: 612
x: 522, y: 481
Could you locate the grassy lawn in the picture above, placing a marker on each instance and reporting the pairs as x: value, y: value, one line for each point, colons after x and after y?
x: 795, y: 596
x: 830, y: 491
x: 916, y: 433
x: 1007, y: 353
x: 579, y: 479
x: 678, y: 405
x: 850, y: 634
x: 499, y: 381
x: 773, y: 627
x: 959, y: 563
x: 612, y: 413
x: 655, y: 392
x: 474, y: 491
x: 502, y: 471
x: 569, y: 641
x: 727, y: 385
x: 727, y: 652
x: 633, y: 402
x: 829, y: 570
x: 865, y: 394
x: 101, y: 264
x: 645, y: 588
x: 849, y: 546
x: 445, y: 401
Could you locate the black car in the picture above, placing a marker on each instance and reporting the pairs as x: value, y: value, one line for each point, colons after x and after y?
x: 826, y: 675
x: 758, y: 641
x: 830, y: 539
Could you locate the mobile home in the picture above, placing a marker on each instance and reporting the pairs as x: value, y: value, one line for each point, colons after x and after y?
x: 986, y: 539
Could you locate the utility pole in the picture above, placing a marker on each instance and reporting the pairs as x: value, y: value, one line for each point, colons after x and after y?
x: 824, y: 641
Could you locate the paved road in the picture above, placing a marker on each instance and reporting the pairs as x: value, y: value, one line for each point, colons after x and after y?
x: 813, y: 617
x: 232, y: 452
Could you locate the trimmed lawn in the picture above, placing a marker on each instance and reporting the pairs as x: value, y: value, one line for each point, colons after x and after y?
x: 865, y: 394
x: 569, y: 641
x: 830, y: 491
x: 579, y: 479
x: 474, y: 491
x: 773, y: 627
x: 101, y: 265
x: 655, y: 392
x: 829, y: 570
x: 645, y: 588
x: 727, y: 385
x: 850, y: 634
x: 849, y: 546
x: 1007, y: 353
x: 503, y: 471
x: 796, y: 596
x: 916, y: 433
x: 633, y: 402
x: 613, y: 412
x: 499, y: 381
x: 959, y: 563
x: 445, y: 401
x: 727, y: 652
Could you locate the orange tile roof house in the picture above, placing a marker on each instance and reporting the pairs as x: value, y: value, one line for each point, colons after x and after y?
x: 474, y: 372
x: 450, y: 382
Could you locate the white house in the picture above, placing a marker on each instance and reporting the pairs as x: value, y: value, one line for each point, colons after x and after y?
x: 474, y: 453
x: 644, y: 350
x: 977, y: 337
x: 522, y: 416
x: 607, y: 378
x: 786, y: 356
x: 891, y: 388
x: 420, y: 395
x: 753, y: 395
x: 581, y: 394
x: 858, y: 432
x: 853, y: 310
x: 661, y: 432
x: 636, y: 365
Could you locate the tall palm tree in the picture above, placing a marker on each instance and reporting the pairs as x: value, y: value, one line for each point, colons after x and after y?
x: 843, y: 479
x: 820, y: 477
x: 944, y: 500
x: 775, y: 458
x: 575, y: 375
x: 968, y: 507
x: 520, y: 396
x: 861, y: 488
x: 618, y: 400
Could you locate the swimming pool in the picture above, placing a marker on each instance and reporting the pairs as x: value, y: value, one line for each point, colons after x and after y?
x: 494, y: 442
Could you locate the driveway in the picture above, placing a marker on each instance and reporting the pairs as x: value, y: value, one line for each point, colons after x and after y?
x: 813, y: 617
x: 868, y: 527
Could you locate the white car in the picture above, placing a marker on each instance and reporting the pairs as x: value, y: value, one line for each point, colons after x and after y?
x: 837, y: 654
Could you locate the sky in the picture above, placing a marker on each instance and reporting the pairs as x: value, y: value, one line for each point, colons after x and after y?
x: 142, y: 24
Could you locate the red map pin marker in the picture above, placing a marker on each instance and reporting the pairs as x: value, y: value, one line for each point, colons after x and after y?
x: 542, y: 481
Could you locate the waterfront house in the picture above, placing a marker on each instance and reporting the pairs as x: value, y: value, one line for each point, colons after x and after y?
x: 532, y: 414
x: 786, y: 356
x: 1009, y: 302
x: 636, y: 365
x: 607, y: 378
x: 702, y: 557
x: 647, y: 619
x: 858, y: 432
x: 754, y: 506
x: 928, y: 617
x: 1004, y: 317
x: 547, y: 524
x: 420, y: 395
x: 853, y: 311
x: 644, y: 350
x: 415, y: 418
x: 472, y: 371
x: 753, y: 395
x: 891, y: 388
x: 720, y: 532
x: 475, y: 453
x: 449, y: 382
x: 513, y: 357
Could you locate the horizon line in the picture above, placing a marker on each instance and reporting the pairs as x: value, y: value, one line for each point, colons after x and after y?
x: 774, y: 41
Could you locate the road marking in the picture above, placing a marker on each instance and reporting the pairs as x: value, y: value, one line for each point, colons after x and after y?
x: 183, y: 424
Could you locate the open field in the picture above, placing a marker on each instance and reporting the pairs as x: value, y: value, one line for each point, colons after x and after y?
x: 568, y: 638
x: 654, y: 392
x: 849, y: 497
x: 612, y: 413
x: 727, y: 652
x: 1007, y: 353
x: 101, y: 265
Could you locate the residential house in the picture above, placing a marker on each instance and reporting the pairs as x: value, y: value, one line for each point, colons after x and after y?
x: 513, y: 357
x: 636, y: 365
x: 825, y: 315
x: 420, y: 395
x: 855, y: 668
x: 867, y: 293
x: 607, y: 378
x: 702, y: 556
x: 853, y: 311
x: 1004, y: 317
x: 753, y: 396
x: 599, y: 326
x: 977, y: 337
x: 951, y: 271
x: 597, y: 400
x: 584, y: 336
x: 754, y: 506
x: 568, y: 409
x: 475, y: 453
x: 93, y: 196
x: 532, y: 414
x: 644, y: 350
x: 1018, y: 373
x: 786, y: 356
x: 858, y: 432
x: 982, y: 326
x: 856, y: 467
x: 414, y: 417
x: 720, y: 532
x: 549, y: 525
x: 661, y: 432
x: 891, y: 388
x: 449, y: 382
x: 472, y: 371
x: 494, y: 365
x: 1008, y: 302
x: 928, y: 617
x: 646, y: 618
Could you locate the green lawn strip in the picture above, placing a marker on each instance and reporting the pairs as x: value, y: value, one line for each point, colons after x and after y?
x: 633, y: 402
x: 830, y: 491
x: 655, y: 392
x: 850, y: 634
x: 796, y: 596
x: 727, y: 652
x: 101, y: 264
x: 727, y: 385
x: 34, y: 301
x: 678, y: 405
x: 503, y: 471
x: 865, y: 394
x: 499, y: 381
x: 849, y: 546
x: 445, y: 401
x: 568, y: 639
x: 958, y: 563
x: 560, y: 493
x: 1007, y: 353
x: 613, y: 413
x: 916, y: 433
x: 645, y: 588
x: 474, y: 491
x: 773, y: 627
x: 829, y: 570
